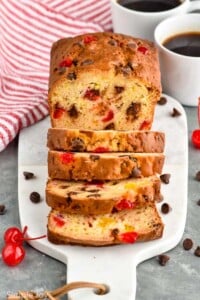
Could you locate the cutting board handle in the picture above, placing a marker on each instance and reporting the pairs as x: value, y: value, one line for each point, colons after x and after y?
x: 119, y: 278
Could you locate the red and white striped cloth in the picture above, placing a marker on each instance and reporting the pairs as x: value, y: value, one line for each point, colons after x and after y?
x: 27, y: 30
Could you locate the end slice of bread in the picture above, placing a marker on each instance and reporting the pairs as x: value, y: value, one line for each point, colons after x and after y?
x: 142, y: 224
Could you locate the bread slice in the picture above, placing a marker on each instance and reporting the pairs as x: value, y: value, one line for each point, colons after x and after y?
x: 141, y: 224
x: 103, y: 166
x: 75, y: 140
x: 103, y: 80
x: 102, y: 197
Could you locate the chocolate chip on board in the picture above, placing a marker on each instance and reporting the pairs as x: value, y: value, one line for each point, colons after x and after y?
x: 197, y: 176
x: 35, y: 197
x: 165, y: 178
x: 165, y: 208
x: 2, y: 209
x: 28, y: 175
x: 175, y: 113
x: 198, y: 202
x: 163, y: 259
x: 162, y: 101
x: 187, y: 244
x: 197, y: 251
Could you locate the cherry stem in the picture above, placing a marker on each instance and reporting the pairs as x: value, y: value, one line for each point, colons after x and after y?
x: 36, y: 238
x: 31, y: 239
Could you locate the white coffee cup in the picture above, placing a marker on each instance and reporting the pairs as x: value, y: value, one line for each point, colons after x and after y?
x: 142, y: 24
x: 180, y: 74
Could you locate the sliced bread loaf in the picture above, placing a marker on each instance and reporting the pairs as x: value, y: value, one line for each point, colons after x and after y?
x: 102, y: 197
x: 126, y: 226
x: 103, y: 166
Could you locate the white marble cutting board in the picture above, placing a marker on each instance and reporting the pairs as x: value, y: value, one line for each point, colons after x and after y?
x: 115, y: 265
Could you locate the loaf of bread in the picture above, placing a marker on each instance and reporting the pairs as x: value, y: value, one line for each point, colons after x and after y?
x: 103, y: 81
x: 75, y: 140
x: 126, y: 226
x: 100, y: 197
x: 103, y: 166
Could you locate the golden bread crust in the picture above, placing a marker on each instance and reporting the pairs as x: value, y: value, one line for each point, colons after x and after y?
x: 105, y: 140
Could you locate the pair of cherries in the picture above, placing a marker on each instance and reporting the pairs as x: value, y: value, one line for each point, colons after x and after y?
x: 13, y: 252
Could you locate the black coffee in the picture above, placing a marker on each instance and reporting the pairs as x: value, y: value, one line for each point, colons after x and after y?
x: 149, y: 5
x: 186, y: 44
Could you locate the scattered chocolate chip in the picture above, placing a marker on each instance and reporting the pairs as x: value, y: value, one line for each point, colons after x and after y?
x: 197, y: 251
x: 175, y: 113
x: 115, y: 232
x: 162, y: 101
x: 35, y: 197
x: 28, y: 175
x: 136, y: 173
x: 75, y: 62
x: 89, y: 224
x: 133, y: 111
x: 163, y: 259
x: 165, y: 178
x: 2, y: 209
x: 87, y: 62
x: 73, y: 112
x: 187, y: 244
x: 110, y: 126
x: 77, y: 145
x: 165, y: 208
x: 61, y: 70
x: 198, y: 202
x: 119, y: 89
x: 197, y: 176
x: 71, y: 76
x: 55, y: 69
x: 94, y: 157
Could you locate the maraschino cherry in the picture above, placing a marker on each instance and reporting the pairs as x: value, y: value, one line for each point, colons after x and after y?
x: 196, y: 132
x: 13, y: 252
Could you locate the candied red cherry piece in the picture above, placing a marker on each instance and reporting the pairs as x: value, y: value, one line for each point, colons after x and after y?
x: 125, y: 204
x: 59, y: 221
x: 67, y: 62
x: 67, y: 157
x: 196, y: 138
x: 129, y: 237
x: 92, y: 94
x: 13, y: 254
x: 196, y: 133
x: 58, y: 112
x: 89, y: 38
x: 109, y: 116
x: 142, y: 49
x: 101, y: 150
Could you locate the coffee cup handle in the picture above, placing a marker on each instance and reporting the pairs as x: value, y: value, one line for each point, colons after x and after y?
x: 193, y: 5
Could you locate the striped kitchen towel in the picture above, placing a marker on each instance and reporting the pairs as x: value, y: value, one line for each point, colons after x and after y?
x: 27, y: 30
